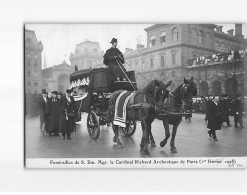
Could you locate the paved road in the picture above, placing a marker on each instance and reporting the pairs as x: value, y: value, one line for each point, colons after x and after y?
x: 191, y: 141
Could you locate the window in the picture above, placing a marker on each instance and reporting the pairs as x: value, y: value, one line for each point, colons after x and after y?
x: 173, y: 59
x: 28, y: 83
x: 173, y: 74
x: 222, y: 46
x: 175, y: 34
x: 28, y: 73
x: 136, y: 65
x: 208, y: 38
x: 28, y: 62
x: 194, y: 35
x: 46, y: 84
x: 162, y: 61
x: 143, y: 65
x: 35, y: 74
x: 35, y: 64
x: 151, y: 63
x: 35, y: 84
x: 217, y: 45
x: 35, y: 56
x: 163, y: 38
x: 152, y: 41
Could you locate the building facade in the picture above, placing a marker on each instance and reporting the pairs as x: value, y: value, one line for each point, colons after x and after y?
x: 170, y: 47
x: 87, y: 55
x: 33, y: 63
x: 57, y: 77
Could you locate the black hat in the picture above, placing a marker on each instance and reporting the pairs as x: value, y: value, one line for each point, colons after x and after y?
x: 113, y: 40
x: 68, y: 91
x: 54, y: 92
x: 43, y: 91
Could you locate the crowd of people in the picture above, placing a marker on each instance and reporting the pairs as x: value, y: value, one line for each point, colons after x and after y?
x: 219, y: 57
x: 217, y: 110
x: 57, y: 113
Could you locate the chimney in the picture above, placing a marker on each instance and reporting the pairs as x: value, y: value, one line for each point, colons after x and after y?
x: 230, y: 32
x: 219, y: 28
x: 238, y: 30
x: 128, y: 50
x: 139, y: 46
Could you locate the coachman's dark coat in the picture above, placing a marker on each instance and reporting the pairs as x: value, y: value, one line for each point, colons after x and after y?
x: 66, y: 126
x: 52, y: 126
x: 109, y: 60
x: 214, y: 117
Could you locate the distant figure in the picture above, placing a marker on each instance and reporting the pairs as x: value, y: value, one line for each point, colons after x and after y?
x: 214, y: 118
x: 52, y: 126
x: 114, y: 59
x: 238, y: 111
x: 224, y: 104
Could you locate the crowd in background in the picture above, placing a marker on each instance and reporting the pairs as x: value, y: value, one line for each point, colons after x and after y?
x: 218, y: 57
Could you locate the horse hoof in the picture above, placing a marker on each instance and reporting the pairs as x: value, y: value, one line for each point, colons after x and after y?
x: 114, y: 139
x: 174, y: 150
x: 162, y: 144
x: 153, y: 145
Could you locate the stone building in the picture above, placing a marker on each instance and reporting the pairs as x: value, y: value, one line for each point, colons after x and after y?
x: 33, y: 63
x: 87, y: 55
x: 57, y: 77
x: 170, y: 47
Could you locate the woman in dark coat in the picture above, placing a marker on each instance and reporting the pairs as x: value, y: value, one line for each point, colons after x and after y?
x: 238, y: 111
x: 52, y: 126
x: 67, y: 114
x: 214, y: 118
x: 114, y: 59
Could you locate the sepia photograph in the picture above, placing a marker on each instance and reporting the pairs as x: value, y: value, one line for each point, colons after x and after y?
x: 135, y: 95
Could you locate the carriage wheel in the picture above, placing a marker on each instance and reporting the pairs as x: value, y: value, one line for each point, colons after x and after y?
x: 93, y: 125
x: 130, y: 128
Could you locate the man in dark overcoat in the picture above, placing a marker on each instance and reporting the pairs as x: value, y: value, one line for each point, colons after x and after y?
x: 43, y: 110
x: 214, y: 118
x: 238, y: 111
x: 52, y: 126
x: 115, y: 60
x: 224, y: 104
x: 67, y: 114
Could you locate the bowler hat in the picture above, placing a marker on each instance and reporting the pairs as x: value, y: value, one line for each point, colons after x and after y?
x: 68, y: 91
x: 113, y: 40
x: 43, y: 91
x: 54, y: 92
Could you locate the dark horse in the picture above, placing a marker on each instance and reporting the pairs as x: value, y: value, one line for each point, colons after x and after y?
x: 180, y: 99
x: 150, y: 99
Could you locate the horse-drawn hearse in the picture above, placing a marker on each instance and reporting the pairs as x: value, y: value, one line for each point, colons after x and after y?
x: 99, y: 94
x: 92, y: 89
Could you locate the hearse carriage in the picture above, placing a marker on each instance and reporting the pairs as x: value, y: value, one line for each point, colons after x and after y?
x: 91, y: 91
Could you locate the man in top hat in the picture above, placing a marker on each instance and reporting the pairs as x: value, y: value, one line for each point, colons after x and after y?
x: 52, y: 126
x: 115, y: 60
x: 238, y: 111
x: 67, y: 114
x: 43, y: 110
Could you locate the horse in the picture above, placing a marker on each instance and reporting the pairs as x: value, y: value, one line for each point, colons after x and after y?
x: 153, y: 96
x: 180, y: 99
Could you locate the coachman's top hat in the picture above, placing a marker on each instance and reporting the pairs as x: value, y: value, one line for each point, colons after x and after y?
x: 113, y: 40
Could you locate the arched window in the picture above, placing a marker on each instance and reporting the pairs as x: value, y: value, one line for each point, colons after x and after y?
x: 194, y: 35
x: 216, y: 88
x: 222, y: 46
x: 217, y: 45
x: 200, y: 37
x: 175, y: 34
x: 162, y: 61
x: 208, y: 38
x: 152, y: 41
x: 203, y: 88
x: 163, y: 38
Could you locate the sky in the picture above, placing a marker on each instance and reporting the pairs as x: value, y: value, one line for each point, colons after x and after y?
x: 59, y: 40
